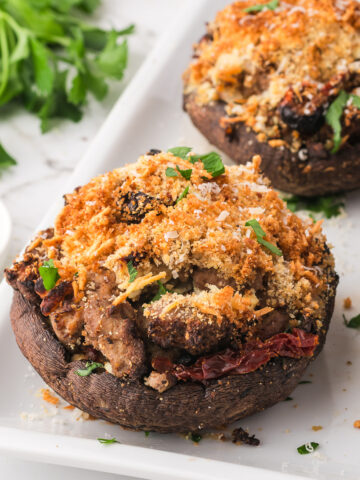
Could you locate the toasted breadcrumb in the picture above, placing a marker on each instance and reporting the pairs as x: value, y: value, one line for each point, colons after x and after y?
x: 251, y: 61
x: 316, y: 428
x: 347, y: 303
x: 49, y: 397
x: 90, y: 236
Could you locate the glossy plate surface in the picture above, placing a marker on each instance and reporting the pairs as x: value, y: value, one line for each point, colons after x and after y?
x: 149, y: 115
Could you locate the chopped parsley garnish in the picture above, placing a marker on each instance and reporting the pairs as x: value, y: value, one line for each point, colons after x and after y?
x: 6, y: 160
x: 304, y: 382
x: 335, y: 112
x: 183, y: 194
x: 89, y: 368
x: 51, y: 58
x: 353, y: 322
x: 212, y: 163
x: 307, y: 448
x: 328, y: 205
x: 107, y: 441
x: 132, y: 271
x: 288, y: 399
x: 147, y: 433
x: 195, y: 437
x: 171, y: 172
x: 180, y: 152
x: 185, y: 173
x: 260, y: 235
x: 49, y: 274
x: 161, y: 291
x: 260, y: 7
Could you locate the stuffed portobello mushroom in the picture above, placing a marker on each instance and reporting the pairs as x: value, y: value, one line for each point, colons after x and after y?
x: 174, y: 294
x: 282, y: 79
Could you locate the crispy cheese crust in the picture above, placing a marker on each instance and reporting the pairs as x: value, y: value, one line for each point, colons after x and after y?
x: 223, y: 287
x: 206, y: 229
x: 301, y: 55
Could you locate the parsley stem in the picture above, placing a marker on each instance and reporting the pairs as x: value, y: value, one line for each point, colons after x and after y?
x: 4, y: 56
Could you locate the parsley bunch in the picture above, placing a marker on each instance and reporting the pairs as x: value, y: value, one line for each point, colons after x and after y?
x: 50, y: 59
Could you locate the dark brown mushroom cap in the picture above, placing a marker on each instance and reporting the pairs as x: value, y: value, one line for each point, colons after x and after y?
x: 321, y: 173
x: 185, y: 407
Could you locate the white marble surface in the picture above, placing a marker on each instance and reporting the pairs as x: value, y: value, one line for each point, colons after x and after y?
x: 45, y: 162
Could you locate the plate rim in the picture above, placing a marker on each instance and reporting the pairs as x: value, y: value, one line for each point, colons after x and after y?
x: 143, y: 462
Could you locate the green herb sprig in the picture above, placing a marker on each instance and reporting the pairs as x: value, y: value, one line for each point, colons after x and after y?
x: 132, y: 271
x: 6, y: 160
x: 212, y: 161
x: 195, y: 437
x: 49, y: 274
x: 50, y: 58
x: 171, y: 172
x: 107, y: 441
x: 328, y: 205
x: 161, y: 291
x: 89, y: 368
x: 183, y: 194
x: 260, y: 235
x: 335, y: 112
x: 353, y: 322
x: 260, y: 7
x: 307, y: 448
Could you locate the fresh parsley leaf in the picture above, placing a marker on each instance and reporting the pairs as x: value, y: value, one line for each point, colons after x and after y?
x: 42, y: 43
x: 57, y: 104
x: 333, y: 117
x: 132, y: 271
x: 329, y: 205
x: 6, y: 160
x: 183, y: 194
x: 304, y: 382
x: 107, y: 441
x: 112, y: 61
x: 185, y: 173
x: 355, y: 100
x: 195, y: 437
x: 89, y: 368
x: 180, y: 152
x: 146, y: 433
x: 88, y: 5
x: 260, y: 7
x: 161, y: 291
x: 353, y: 322
x: 44, y: 74
x: 170, y: 172
x: 307, y: 448
x: 288, y: 399
x: 260, y: 234
x: 49, y: 274
x: 212, y: 163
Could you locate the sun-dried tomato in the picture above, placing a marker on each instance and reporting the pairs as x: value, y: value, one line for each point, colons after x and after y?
x: 252, y: 356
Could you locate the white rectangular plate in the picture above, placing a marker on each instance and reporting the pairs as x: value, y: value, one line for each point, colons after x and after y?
x: 149, y: 115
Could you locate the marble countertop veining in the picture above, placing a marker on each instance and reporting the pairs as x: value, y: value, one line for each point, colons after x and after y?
x: 45, y: 162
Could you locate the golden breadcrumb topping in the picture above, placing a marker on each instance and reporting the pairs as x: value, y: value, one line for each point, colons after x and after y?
x: 131, y: 216
x: 251, y: 60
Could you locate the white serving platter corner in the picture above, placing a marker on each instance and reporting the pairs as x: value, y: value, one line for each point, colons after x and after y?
x: 149, y: 115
